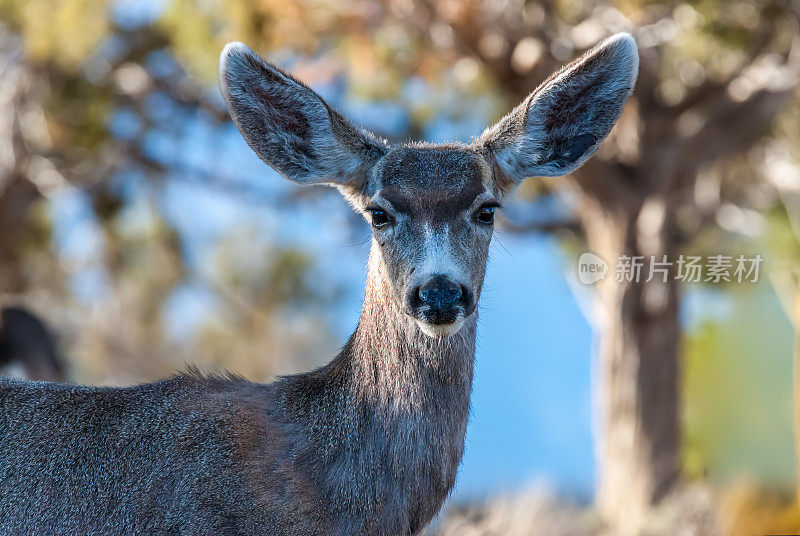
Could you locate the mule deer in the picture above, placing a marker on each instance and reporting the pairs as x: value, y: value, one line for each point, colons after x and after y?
x: 371, y: 442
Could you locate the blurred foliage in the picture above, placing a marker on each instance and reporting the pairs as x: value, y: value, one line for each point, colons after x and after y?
x: 90, y: 63
x: 748, y: 508
x: 737, y: 393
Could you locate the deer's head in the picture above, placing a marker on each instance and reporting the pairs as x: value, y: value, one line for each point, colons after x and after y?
x: 430, y: 206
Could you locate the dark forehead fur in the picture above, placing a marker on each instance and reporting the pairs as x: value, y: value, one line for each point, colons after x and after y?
x: 437, y: 181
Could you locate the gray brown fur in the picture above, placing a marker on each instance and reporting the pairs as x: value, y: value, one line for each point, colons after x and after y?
x: 358, y: 447
x: 369, y: 444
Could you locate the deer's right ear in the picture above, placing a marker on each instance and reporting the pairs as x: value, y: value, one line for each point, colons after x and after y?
x: 561, y: 124
x: 290, y: 127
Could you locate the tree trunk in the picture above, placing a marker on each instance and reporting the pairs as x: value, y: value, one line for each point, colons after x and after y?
x: 17, y: 192
x: 637, y: 364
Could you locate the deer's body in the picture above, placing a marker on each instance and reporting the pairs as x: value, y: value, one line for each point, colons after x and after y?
x: 367, y: 445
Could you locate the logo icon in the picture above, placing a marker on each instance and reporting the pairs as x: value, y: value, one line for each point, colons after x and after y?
x: 591, y: 268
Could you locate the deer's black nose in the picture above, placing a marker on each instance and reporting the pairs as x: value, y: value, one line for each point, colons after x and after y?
x: 442, y: 296
x: 440, y: 293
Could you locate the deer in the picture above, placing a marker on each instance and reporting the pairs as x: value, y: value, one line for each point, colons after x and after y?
x: 368, y: 444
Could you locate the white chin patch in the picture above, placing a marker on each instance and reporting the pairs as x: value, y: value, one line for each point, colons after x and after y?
x: 439, y: 331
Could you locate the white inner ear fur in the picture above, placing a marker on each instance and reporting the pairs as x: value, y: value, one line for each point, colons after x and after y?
x: 283, y: 128
x: 523, y: 136
x: 534, y: 127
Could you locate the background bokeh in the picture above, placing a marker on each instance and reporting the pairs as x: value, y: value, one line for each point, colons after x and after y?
x: 138, y: 225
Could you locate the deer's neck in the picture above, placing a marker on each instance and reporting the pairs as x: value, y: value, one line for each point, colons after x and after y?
x: 389, y: 417
x: 394, y: 365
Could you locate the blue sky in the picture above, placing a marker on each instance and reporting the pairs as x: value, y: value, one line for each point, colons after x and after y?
x: 531, y: 400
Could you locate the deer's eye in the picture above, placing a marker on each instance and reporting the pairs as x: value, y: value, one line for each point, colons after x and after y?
x: 379, y: 217
x: 485, y: 215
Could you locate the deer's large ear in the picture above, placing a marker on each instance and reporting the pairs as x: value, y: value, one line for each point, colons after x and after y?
x: 290, y: 127
x: 561, y: 124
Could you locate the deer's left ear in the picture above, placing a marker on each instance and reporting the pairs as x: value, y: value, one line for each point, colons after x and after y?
x: 290, y: 127
x: 560, y: 125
